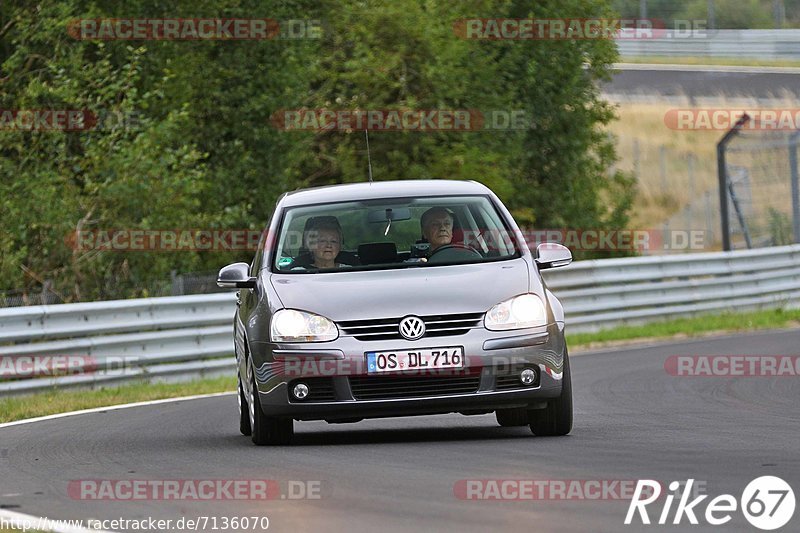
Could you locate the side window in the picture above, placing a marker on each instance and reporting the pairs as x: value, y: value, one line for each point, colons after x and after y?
x: 292, y: 243
x: 258, y: 259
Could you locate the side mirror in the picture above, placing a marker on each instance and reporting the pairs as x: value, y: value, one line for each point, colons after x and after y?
x: 552, y: 255
x: 236, y: 276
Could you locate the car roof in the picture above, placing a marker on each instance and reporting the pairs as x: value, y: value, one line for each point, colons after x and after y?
x: 381, y: 189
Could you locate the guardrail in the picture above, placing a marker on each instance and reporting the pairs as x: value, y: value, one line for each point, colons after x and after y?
x: 123, y: 340
x: 758, y: 44
x: 191, y: 336
x: 605, y: 293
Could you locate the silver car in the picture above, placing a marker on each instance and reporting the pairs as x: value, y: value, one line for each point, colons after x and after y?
x: 395, y: 299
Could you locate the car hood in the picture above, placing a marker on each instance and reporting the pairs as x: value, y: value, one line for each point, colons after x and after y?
x: 395, y: 293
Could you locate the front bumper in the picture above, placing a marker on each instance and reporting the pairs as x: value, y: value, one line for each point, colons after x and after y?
x: 493, y: 359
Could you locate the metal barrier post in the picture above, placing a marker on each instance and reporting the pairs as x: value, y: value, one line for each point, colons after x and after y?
x: 722, y: 172
x: 793, y: 141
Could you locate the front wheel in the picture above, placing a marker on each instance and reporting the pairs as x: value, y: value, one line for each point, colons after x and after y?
x: 556, y: 418
x: 266, y: 430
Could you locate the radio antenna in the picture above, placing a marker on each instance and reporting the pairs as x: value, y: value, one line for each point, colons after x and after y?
x: 369, y: 159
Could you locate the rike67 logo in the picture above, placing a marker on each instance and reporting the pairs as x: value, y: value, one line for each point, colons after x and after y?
x: 767, y: 502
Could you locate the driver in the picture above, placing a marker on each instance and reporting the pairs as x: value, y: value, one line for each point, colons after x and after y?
x: 437, y: 227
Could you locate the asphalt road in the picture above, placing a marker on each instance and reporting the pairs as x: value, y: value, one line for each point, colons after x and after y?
x: 709, y: 83
x: 632, y: 421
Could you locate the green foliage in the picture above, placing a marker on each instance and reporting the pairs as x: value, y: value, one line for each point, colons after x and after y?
x: 728, y: 14
x: 733, y: 14
x: 780, y: 227
x: 200, y: 151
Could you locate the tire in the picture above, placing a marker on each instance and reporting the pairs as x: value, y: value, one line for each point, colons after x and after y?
x: 556, y: 418
x: 512, y: 417
x: 244, y: 411
x: 266, y: 430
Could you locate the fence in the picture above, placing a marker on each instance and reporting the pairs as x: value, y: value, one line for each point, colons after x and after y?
x: 756, y: 44
x: 758, y: 184
x: 679, y: 189
x: 191, y: 336
x: 761, y: 185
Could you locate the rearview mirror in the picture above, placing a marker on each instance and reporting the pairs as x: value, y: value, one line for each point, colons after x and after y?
x: 236, y: 276
x: 390, y: 213
x: 552, y: 255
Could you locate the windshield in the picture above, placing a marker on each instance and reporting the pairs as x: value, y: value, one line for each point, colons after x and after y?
x: 396, y: 233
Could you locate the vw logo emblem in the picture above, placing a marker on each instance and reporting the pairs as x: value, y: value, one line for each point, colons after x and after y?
x: 412, y: 328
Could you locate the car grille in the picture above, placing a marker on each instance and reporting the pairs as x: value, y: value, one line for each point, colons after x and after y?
x: 320, y: 390
x: 397, y: 387
x: 388, y: 328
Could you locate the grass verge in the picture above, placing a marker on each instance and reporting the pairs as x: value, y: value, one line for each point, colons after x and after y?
x: 55, y: 401
x: 687, y: 327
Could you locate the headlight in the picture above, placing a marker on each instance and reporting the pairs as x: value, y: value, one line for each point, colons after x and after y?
x: 289, y: 325
x: 523, y: 311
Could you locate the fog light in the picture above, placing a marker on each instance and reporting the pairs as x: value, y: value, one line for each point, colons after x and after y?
x: 527, y: 376
x: 300, y: 391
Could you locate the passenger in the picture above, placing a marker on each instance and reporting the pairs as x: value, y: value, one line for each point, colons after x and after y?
x: 437, y: 227
x: 322, y: 242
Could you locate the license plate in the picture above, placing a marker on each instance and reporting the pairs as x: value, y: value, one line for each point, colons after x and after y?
x: 422, y: 359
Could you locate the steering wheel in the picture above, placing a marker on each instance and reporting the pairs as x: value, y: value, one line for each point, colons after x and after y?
x: 454, y: 252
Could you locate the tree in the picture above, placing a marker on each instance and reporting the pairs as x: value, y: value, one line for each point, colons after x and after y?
x: 201, y: 151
